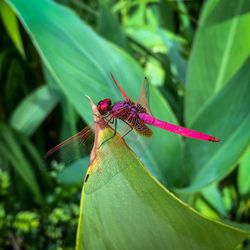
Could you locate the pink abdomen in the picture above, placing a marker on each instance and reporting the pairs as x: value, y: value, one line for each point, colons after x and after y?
x: 148, y: 119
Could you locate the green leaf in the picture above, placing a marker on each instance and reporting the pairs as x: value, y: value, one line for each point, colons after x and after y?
x: 32, y: 111
x: 11, y: 149
x: 69, y: 128
x: 243, y: 173
x: 204, y: 208
x: 2, y: 55
x: 186, y: 25
x: 173, y: 44
x: 213, y: 196
x: 124, y: 207
x: 227, y: 117
x: 74, y: 173
x: 36, y: 161
x: 109, y: 22
x: 80, y: 62
x: 161, y: 41
x: 242, y: 226
x: 11, y: 24
x: 220, y: 48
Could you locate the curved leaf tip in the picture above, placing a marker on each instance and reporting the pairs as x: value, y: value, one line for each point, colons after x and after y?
x: 124, y: 207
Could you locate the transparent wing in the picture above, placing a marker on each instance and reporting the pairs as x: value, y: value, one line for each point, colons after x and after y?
x: 72, y: 148
x: 98, y: 177
x: 143, y: 99
x: 124, y: 94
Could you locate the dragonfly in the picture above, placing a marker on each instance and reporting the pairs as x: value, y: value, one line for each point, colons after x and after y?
x: 137, y: 116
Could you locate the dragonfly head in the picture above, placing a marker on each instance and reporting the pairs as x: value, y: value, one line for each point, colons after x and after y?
x: 104, y: 106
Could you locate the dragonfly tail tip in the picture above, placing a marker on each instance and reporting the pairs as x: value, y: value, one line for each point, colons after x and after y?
x: 214, y: 139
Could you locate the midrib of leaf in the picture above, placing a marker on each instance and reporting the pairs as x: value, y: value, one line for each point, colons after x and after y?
x: 222, y: 72
x: 225, y: 57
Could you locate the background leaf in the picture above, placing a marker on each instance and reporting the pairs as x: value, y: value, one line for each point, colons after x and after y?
x: 12, y: 151
x: 34, y: 109
x: 227, y: 115
x: 80, y: 71
x: 243, y: 173
x: 11, y: 25
x: 217, y: 52
x: 74, y: 173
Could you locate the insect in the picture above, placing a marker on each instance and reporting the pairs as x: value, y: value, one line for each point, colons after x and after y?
x: 138, y: 116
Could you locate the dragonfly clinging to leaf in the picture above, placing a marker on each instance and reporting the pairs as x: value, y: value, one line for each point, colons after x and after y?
x: 138, y: 115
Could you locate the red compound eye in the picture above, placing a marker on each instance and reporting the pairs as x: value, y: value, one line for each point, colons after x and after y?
x: 104, y: 106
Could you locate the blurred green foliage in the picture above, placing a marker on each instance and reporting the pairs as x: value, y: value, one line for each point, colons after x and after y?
x: 50, y: 226
x: 196, y: 57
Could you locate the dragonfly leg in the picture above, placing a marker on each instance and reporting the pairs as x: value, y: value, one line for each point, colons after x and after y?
x: 110, y: 120
x: 104, y: 118
x: 131, y: 128
x: 115, y: 122
x: 100, y: 117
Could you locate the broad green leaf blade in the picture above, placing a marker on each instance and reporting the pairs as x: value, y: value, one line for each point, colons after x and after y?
x: 74, y: 173
x: 226, y: 117
x: 109, y: 21
x: 243, y: 173
x: 162, y: 41
x: 34, y: 109
x: 213, y: 197
x: 203, y: 207
x: 11, y: 149
x: 124, y: 207
x: 179, y: 65
x: 220, y: 48
x: 242, y: 226
x: 11, y: 24
x: 80, y: 62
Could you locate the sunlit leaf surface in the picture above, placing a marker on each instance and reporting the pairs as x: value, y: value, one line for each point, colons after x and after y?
x: 11, y: 24
x: 124, y: 207
x: 243, y: 173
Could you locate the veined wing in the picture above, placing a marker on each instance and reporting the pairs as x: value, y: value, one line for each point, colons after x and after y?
x: 143, y: 99
x: 71, y: 149
x: 99, y: 176
x: 124, y: 94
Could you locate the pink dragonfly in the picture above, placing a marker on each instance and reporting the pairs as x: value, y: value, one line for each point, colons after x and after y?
x: 137, y: 116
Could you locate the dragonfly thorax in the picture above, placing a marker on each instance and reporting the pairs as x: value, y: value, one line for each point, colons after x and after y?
x: 133, y: 110
x: 104, y: 106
